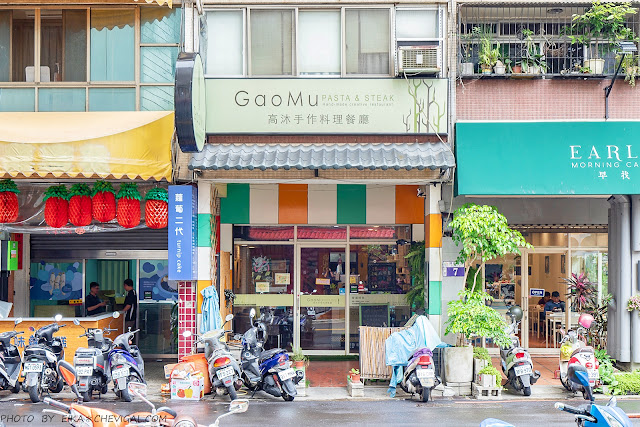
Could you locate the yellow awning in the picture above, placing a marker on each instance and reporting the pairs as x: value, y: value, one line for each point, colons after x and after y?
x: 132, y: 144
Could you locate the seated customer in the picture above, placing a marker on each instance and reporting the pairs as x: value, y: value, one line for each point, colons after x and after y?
x: 545, y: 299
x: 555, y: 304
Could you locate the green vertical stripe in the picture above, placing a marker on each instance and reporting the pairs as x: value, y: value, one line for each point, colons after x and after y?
x: 234, y: 209
x: 352, y: 204
x: 435, y: 297
x: 204, y: 230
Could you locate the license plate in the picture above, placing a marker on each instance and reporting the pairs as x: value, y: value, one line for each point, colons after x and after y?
x: 120, y: 373
x: 84, y: 360
x: 523, y: 370
x: 84, y: 371
x: 594, y: 375
x: 32, y: 367
x: 287, y: 374
x: 425, y: 373
x: 224, y: 372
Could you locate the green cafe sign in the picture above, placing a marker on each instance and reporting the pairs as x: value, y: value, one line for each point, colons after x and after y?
x: 326, y: 106
x: 548, y: 158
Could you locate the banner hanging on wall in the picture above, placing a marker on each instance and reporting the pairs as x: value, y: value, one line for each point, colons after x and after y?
x: 183, y: 232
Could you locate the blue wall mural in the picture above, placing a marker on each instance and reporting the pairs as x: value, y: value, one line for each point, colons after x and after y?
x: 56, y: 281
x: 154, y: 281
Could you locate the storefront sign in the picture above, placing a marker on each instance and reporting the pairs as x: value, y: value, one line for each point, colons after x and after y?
x: 264, y: 300
x: 548, y: 158
x: 327, y: 106
x: 377, y: 299
x: 190, y: 102
x: 533, y: 292
x: 451, y: 269
x: 183, y: 232
x: 322, y: 300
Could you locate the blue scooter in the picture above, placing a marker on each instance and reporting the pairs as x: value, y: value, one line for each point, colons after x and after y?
x: 125, y: 364
x: 592, y: 415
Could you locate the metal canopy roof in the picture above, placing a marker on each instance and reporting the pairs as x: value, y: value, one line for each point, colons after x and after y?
x: 418, y: 156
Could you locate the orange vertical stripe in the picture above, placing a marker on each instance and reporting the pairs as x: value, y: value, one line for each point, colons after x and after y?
x: 409, y: 207
x: 433, y: 231
x: 201, y: 285
x: 292, y: 203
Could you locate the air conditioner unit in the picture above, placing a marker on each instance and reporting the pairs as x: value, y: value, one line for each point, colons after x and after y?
x: 419, y: 60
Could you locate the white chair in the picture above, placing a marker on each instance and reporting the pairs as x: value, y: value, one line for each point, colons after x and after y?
x: 30, y: 73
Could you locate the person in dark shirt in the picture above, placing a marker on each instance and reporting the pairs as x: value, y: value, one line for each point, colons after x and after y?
x: 545, y: 299
x: 555, y: 304
x: 130, y: 310
x: 93, y: 302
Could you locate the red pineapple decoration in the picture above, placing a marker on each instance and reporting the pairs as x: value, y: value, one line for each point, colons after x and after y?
x: 8, y: 201
x: 56, y: 208
x: 128, y: 211
x: 156, y: 208
x: 80, y: 205
x: 103, y: 203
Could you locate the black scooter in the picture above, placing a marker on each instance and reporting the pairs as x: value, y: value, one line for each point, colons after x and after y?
x: 10, y: 360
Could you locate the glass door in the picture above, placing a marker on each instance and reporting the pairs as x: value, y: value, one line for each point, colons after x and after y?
x: 322, y: 295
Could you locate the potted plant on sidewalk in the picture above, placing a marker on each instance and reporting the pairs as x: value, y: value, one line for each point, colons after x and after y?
x: 605, y: 25
x: 483, y: 234
x: 481, y: 359
x: 354, y: 375
x: 300, y: 361
x: 489, y: 377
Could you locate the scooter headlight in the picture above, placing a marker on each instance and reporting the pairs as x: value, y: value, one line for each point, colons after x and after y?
x: 613, y: 421
x: 118, y: 358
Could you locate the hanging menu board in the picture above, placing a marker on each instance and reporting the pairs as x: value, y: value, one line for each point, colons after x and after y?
x: 374, y: 315
x: 381, y: 277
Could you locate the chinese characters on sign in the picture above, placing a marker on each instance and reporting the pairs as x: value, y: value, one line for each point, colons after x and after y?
x: 183, y: 232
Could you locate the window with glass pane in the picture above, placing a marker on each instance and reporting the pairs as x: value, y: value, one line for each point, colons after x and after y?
x: 159, y: 25
x: 5, y: 45
x: 112, y: 45
x: 367, y: 41
x: 416, y: 24
x: 156, y: 98
x: 158, y: 64
x: 319, y: 42
x: 22, y: 45
x: 224, y: 46
x: 14, y: 99
x: 112, y: 99
x: 271, y: 42
x: 61, y: 99
x: 63, y: 45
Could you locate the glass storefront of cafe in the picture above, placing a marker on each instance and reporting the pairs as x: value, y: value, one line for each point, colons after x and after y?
x: 318, y: 284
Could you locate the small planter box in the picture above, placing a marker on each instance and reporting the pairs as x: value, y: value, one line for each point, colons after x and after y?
x: 485, y: 380
x: 478, y: 364
x: 486, y: 393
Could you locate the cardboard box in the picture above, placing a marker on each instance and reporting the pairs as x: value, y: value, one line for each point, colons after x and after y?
x: 167, y: 370
x: 191, y: 388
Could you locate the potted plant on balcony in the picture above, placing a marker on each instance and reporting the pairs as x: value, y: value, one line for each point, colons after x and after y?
x: 603, y: 24
x: 483, y: 234
x: 630, y: 67
x: 533, y: 61
x: 488, y: 55
x: 466, y: 50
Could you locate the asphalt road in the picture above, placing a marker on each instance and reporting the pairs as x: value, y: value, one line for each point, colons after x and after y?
x: 274, y: 412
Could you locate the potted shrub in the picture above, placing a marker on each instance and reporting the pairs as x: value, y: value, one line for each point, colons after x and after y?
x: 300, y: 361
x: 604, y: 24
x: 533, y: 61
x: 488, y: 55
x: 354, y: 375
x: 483, y: 234
x: 517, y: 68
x: 481, y: 359
x: 630, y: 67
x: 500, y: 67
x: 489, y: 377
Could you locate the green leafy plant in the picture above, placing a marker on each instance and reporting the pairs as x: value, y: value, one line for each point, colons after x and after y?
x: 488, y: 55
x: 484, y: 234
x: 630, y: 67
x: 606, y: 370
x: 298, y: 356
x: 597, y: 333
x: 627, y: 383
x: 583, y: 293
x: 490, y: 370
x: 603, y: 23
x: 481, y: 353
x: 415, y: 259
x: 470, y: 317
x: 533, y: 57
x: 466, y: 43
x: 354, y: 371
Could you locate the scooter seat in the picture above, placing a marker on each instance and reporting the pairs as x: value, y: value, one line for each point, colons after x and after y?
x: 583, y: 350
x: 268, y: 354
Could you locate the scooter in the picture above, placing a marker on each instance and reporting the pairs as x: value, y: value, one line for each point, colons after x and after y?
x: 41, y: 361
x: 420, y: 375
x: 267, y: 370
x: 515, y: 359
x: 224, y: 370
x: 84, y: 416
x: 92, y: 372
x: 573, y: 349
x: 125, y: 363
x: 592, y: 415
x: 10, y: 360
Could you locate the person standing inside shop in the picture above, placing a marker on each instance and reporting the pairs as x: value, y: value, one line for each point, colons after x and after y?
x: 93, y: 302
x: 130, y: 310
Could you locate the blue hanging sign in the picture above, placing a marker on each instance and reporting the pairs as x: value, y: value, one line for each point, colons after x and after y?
x: 183, y: 232
x: 535, y: 292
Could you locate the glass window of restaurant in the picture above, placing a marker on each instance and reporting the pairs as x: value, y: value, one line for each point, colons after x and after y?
x: 325, y: 280
x: 554, y: 258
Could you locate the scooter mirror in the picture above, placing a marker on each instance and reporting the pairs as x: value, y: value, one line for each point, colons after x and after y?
x: 67, y: 372
x: 252, y: 313
x: 116, y: 314
x: 76, y: 322
x: 239, y: 405
x: 228, y: 318
x: 17, y: 321
x: 58, y: 317
x: 187, y: 334
x: 137, y: 389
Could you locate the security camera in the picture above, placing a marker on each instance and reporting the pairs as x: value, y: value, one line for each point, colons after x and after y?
x: 421, y: 193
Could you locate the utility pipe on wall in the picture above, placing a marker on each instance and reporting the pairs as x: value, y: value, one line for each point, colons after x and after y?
x: 634, y: 284
x: 612, y: 329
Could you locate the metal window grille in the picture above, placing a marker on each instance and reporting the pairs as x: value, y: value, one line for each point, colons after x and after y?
x: 518, y: 31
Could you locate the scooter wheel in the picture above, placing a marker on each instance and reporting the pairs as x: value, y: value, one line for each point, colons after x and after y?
x: 232, y: 392
x: 34, y: 393
x: 86, y: 396
x: 185, y: 421
x: 287, y: 397
x: 565, y: 384
x: 527, y: 391
x: 16, y: 388
x: 426, y: 393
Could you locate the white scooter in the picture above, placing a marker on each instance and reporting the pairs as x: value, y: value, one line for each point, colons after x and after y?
x: 574, y: 349
x: 515, y: 359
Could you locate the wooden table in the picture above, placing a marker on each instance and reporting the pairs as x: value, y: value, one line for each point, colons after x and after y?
x: 554, y: 318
